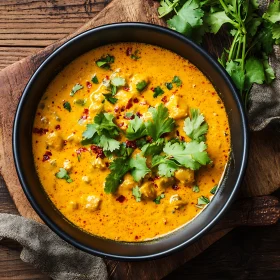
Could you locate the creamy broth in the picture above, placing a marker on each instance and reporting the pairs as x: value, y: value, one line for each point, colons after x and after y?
x: 58, y: 132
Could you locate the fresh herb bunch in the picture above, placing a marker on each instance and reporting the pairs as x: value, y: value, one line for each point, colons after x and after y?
x: 253, y: 34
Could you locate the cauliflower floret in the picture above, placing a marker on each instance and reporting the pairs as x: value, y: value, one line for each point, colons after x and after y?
x: 162, y: 183
x: 54, y: 140
x: 99, y: 164
x: 128, y: 183
x: 86, y: 179
x: 96, y: 105
x: 91, y: 202
x: 67, y: 165
x: 185, y: 176
x: 177, y: 201
x: 177, y: 107
x: 148, y: 190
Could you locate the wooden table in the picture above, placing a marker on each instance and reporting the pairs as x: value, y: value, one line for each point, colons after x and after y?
x: 26, y: 27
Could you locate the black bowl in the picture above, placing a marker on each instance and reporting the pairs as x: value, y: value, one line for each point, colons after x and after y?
x: 22, y: 145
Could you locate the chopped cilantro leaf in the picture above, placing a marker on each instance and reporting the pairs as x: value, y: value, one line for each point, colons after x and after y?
x: 213, y: 191
x: 154, y: 148
x: 109, y: 97
x: 105, y: 61
x: 67, y: 106
x: 136, y: 129
x: 75, y: 89
x: 176, y: 80
x: 63, y: 174
x: 80, y: 102
x: 139, y: 167
x: 108, y: 144
x: 158, y: 91
x: 166, y: 166
x: 169, y: 86
x: 202, y: 201
x: 196, y: 127
x: 141, y: 85
x: 161, y: 123
x: 119, y: 167
x: 135, y: 55
x: 94, y: 79
x: 136, y: 193
x: 129, y: 115
x: 159, y: 198
x: 196, y: 189
x: 191, y: 155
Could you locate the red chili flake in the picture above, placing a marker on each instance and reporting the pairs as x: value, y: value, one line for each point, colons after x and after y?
x: 120, y: 199
x: 65, y: 142
x: 175, y: 187
x: 80, y: 150
x: 116, y: 109
x: 129, y: 104
x: 128, y: 51
x: 131, y: 144
x: 47, y: 156
x: 89, y: 85
x: 136, y: 237
x: 129, y: 118
x: 107, y: 164
x: 122, y: 109
x: 40, y: 131
x: 182, y: 138
x: 85, y: 114
x: 98, y: 151
x: 39, y: 114
x: 149, y: 139
x: 152, y: 88
x: 164, y: 135
x: 57, y: 127
x: 135, y: 100
x: 177, y: 133
x: 139, y: 115
x: 126, y: 88
x: 107, y: 77
x: 121, y: 124
x: 164, y: 99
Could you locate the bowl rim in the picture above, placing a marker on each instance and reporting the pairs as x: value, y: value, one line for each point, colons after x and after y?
x: 59, y: 231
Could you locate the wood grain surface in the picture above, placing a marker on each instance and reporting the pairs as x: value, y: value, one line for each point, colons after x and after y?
x: 26, y: 27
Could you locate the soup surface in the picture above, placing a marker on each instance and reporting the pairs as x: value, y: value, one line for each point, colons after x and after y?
x: 130, y: 141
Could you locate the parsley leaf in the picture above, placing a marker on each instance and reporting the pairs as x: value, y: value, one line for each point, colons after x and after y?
x: 119, y: 167
x: 94, y: 79
x: 158, y: 91
x: 136, y: 129
x: 63, y: 174
x: 154, y: 148
x: 139, y: 167
x: 196, y: 127
x: 67, y: 106
x: 109, y: 97
x: 136, y: 193
x: 191, y: 155
x: 161, y: 122
x: 141, y: 85
x: 105, y: 61
x: 159, y: 198
x: 177, y: 81
x: 75, y: 89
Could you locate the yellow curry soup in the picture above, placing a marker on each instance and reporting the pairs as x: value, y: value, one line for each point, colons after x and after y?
x: 104, y: 136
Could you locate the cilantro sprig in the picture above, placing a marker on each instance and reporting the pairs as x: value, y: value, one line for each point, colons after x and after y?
x: 253, y: 35
x: 105, y: 61
x: 63, y: 174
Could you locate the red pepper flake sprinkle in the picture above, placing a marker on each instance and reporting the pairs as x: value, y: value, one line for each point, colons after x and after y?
x: 136, y: 237
x: 89, y: 85
x: 139, y: 115
x: 57, y: 127
x: 135, y: 100
x: 126, y: 88
x: 121, y: 124
x: 85, y: 114
x: 175, y: 187
x: 120, y: 199
x: 47, y: 156
x: 65, y: 142
x: 129, y: 104
x: 40, y: 131
x: 116, y: 109
x: 98, y: 151
x: 182, y: 138
x: 128, y: 51
x: 177, y: 133
x: 129, y: 118
x: 131, y: 144
x: 164, y: 99
x: 80, y: 150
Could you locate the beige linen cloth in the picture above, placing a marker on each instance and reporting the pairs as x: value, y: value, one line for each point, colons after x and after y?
x: 46, y: 251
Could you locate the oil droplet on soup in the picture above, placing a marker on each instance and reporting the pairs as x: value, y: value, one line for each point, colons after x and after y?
x: 81, y: 126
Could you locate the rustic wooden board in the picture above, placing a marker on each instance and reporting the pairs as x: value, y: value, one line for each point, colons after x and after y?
x: 13, y: 79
